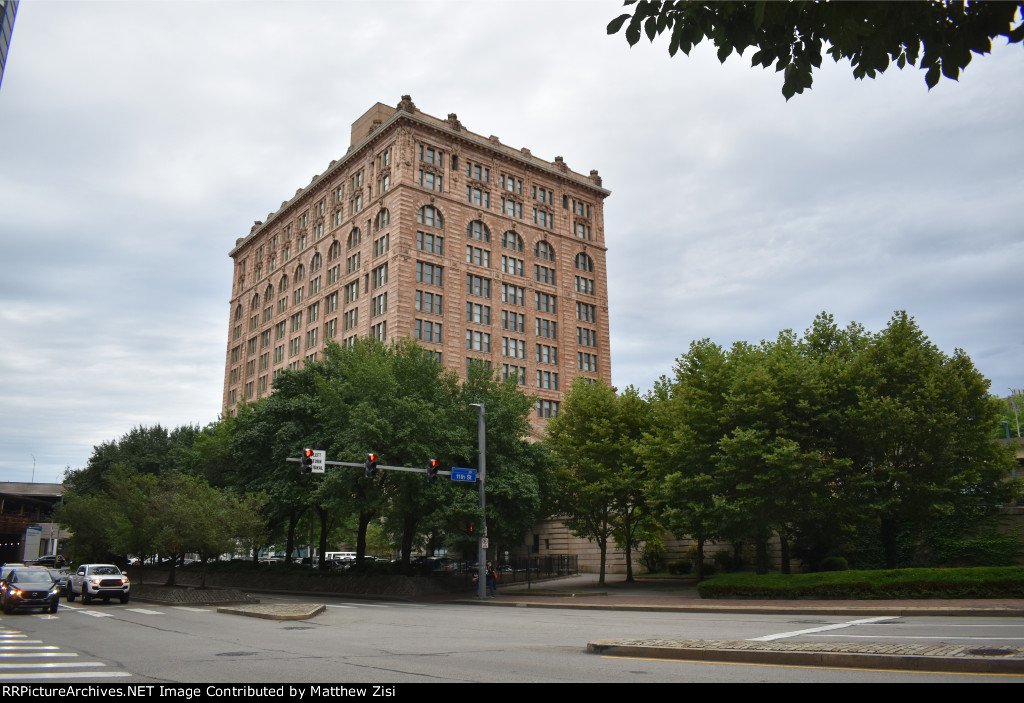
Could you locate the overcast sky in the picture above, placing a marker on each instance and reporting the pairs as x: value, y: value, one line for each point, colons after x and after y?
x: 140, y: 139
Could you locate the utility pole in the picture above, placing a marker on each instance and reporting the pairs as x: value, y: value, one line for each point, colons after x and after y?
x: 481, y: 550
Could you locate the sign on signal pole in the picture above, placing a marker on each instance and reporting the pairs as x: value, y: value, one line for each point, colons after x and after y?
x: 319, y: 461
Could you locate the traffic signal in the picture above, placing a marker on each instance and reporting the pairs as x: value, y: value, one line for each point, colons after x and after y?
x: 307, y: 461
x: 469, y: 529
x: 370, y: 466
x: 432, y: 466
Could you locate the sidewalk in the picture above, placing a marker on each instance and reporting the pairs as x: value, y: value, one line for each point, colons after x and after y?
x: 584, y: 592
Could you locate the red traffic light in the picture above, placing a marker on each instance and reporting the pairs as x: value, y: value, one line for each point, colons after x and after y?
x: 308, y: 452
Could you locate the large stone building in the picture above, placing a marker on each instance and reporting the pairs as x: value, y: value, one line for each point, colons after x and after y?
x: 424, y: 229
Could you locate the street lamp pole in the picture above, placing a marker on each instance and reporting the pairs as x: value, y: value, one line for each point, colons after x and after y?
x: 481, y: 550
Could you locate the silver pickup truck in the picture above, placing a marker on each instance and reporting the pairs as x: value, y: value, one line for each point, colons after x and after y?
x: 98, y: 581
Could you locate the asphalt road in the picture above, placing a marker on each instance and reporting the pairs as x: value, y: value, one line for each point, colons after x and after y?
x: 381, y: 642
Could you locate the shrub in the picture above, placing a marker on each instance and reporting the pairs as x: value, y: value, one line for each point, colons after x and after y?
x: 834, y: 564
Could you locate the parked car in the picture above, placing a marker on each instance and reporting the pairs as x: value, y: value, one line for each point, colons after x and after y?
x: 27, y: 587
x: 98, y: 581
x: 61, y: 577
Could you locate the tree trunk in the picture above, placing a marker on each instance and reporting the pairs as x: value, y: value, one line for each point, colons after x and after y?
x: 784, y: 551
x: 408, y: 532
x: 889, y: 532
x: 762, y: 556
x: 699, y: 566
x: 293, y: 523
x: 324, y: 523
x: 364, y: 522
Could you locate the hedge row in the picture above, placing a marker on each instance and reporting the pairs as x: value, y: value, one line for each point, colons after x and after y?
x: 980, y: 582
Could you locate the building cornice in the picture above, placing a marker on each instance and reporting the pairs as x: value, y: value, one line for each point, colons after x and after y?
x: 450, y: 128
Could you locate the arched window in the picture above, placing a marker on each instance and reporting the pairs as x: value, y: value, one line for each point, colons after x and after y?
x: 511, y: 240
x: 300, y: 273
x: 478, y: 230
x: 584, y: 263
x: 335, y: 251
x: 238, y: 313
x: 316, y: 263
x: 269, y: 294
x: 430, y: 216
x: 543, y: 250
x: 382, y: 220
x: 284, y: 282
x: 255, y: 302
x: 354, y: 237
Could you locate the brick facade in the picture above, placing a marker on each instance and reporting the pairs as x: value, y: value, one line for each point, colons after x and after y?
x: 427, y: 230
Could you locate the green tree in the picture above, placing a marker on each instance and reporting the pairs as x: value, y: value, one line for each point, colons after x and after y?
x: 939, y: 36
x: 920, y: 433
x: 595, y: 438
x: 687, y: 420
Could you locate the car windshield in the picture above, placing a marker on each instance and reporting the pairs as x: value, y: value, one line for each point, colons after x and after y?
x: 31, y: 577
x: 105, y: 571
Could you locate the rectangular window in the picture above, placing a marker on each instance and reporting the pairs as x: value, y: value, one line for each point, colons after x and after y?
x: 586, y: 362
x: 311, y: 337
x: 428, y: 331
x: 296, y: 321
x: 429, y: 273
x: 280, y: 329
x: 431, y: 181
x: 547, y: 354
x: 515, y: 321
x: 431, y: 243
x: 314, y: 286
x: 547, y: 328
x: 584, y: 285
x: 379, y: 331
x: 475, y: 285
x: 432, y: 156
x: 352, y: 291
x: 478, y: 197
x: 429, y: 302
x: 543, y: 274
x: 478, y: 341
x: 380, y: 276
x: 333, y: 274
x: 512, y: 265
x: 547, y: 408
x: 378, y: 305
x: 548, y: 380
x: 478, y: 256
x: 331, y: 329
x: 546, y: 303
x: 513, y: 294
x: 480, y: 314
x: 331, y: 304
x: 586, y: 313
x: 508, y: 370
x: 586, y: 337
x: 381, y: 245
x: 511, y: 208
x: 515, y: 348
x: 279, y: 354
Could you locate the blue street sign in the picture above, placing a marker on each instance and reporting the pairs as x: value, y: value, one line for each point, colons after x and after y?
x: 459, y: 474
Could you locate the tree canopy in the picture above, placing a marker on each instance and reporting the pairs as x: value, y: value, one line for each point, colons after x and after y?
x: 941, y: 37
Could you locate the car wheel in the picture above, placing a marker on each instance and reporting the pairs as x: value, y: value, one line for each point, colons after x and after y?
x: 8, y: 609
x: 124, y: 598
x: 106, y: 599
x: 53, y: 608
x: 70, y: 595
x: 86, y: 598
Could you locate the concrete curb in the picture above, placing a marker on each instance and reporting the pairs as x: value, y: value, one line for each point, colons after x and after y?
x: 759, y: 609
x: 943, y: 658
x: 292, y: 611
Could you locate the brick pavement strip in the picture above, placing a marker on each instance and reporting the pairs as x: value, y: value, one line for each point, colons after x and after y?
x: 947, y: 658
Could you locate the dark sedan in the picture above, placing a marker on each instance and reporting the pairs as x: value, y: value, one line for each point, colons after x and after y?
x: 29, y: 588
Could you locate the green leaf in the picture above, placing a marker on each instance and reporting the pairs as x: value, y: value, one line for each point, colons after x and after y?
x: 616, y: 24
x: 651, y: 27
x: 932, y: 77
x: 633, y: 33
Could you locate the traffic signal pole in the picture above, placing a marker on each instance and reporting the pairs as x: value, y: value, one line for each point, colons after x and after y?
x: 481, y: 550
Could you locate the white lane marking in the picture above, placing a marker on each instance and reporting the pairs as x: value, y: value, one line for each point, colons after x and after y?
x: 49, y: 665
x: 823, y: 628
x: 16, y: 655
x: 95, y: 613
x: 926, y: 637
x: 20, y: 648
x: 63, y: 675
x: 144, y: 611
x: 194, y: 610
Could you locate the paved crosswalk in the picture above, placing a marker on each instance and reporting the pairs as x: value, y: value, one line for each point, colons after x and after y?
x: 24, y: 659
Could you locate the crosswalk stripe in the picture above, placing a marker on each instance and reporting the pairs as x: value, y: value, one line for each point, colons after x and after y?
x: 144, y: 611
x: 21, y: 676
